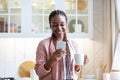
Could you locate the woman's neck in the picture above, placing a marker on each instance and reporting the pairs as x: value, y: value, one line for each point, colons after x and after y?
x: 60, y: 38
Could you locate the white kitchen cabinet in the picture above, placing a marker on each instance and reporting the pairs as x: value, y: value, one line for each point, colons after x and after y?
x: 29, y: 18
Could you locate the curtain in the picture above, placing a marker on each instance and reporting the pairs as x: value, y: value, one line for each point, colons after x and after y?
x: 116, y: 56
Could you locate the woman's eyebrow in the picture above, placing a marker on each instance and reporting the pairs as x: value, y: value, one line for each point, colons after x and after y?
x: 53, y: 22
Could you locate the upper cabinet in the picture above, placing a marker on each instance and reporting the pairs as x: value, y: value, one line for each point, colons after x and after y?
x: 29, y: 18
x: 10, y: 17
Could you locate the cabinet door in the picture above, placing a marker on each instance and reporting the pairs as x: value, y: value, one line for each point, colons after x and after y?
x: 79, y: 17
x: 10, y: 16
x: 79, y: 14
x: 29, y: 18
x: 40, y: 12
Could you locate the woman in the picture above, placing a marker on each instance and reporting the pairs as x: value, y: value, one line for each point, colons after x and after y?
x: 49, y: 60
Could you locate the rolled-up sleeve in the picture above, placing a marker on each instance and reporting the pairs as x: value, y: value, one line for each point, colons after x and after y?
x: 41, y: 60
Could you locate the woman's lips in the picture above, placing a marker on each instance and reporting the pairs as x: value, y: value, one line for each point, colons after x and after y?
x: 59, y: 32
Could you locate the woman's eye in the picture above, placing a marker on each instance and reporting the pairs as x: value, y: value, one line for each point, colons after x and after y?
x: 54, y: 25
x: 62, y: 24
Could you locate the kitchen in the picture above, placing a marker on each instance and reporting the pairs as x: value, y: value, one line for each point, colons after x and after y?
x: 22, y: 32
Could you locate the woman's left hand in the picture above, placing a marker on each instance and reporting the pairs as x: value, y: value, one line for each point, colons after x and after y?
x: 78, y: 67
x: 86, y: 59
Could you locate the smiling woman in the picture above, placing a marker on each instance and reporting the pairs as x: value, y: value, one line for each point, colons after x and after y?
x: 53, y: 63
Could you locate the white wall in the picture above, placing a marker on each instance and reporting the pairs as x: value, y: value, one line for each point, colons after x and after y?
x: 13, y: 52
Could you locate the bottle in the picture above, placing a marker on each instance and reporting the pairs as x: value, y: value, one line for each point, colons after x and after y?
x: 19, y: 29
x: 13, y: 28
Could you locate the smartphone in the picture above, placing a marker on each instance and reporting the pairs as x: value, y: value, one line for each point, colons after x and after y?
x: 61, y: 45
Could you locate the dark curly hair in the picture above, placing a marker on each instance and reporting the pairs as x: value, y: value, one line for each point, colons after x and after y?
x: 57, y: 12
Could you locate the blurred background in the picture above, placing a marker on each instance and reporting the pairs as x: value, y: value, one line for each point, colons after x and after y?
x: 23, y: 23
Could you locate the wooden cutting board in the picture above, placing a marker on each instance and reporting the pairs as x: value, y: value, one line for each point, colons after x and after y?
x: 25, y: 67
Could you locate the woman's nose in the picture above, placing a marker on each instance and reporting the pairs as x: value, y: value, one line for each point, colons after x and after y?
x: 59, y: 27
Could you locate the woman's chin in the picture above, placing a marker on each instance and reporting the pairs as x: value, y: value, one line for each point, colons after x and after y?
x: 59, y: 34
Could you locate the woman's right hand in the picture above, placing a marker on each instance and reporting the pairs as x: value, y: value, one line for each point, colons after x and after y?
x: 58, y: 54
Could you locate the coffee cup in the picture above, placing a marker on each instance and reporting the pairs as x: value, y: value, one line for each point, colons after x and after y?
x: 79, y: 58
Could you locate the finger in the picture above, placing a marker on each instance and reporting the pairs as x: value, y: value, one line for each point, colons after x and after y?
x: 86, y: 61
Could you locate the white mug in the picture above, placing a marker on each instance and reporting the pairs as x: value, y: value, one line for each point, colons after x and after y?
x: 79, y: 58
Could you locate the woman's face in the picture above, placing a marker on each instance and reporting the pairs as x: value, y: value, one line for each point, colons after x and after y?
x: 58, y: 25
